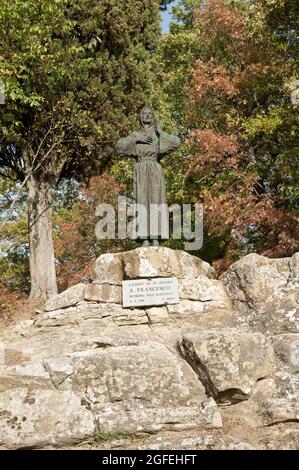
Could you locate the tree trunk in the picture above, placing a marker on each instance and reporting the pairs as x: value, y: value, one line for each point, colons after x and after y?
x: 41, y: 248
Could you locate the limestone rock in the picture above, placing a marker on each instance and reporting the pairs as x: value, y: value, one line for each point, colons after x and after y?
x: 154, y: 420
x: 43, y: 417
x: 146, y: 387
x: 274, y: 411
x: 210, y: 314
x: 228, y: 363
x: 129, y: 316
x: 280, y: 439
x: 68, y: 298
x: 280, y: 410
x: 190, y: 307
x: 185, y: 308
x: 201, y: 440
x: 87, y: 365
x: 106, y: 293
x: 18, y: 375
x: 137, y: 388
x: 163, y: 262
x: 157, y: 314
x: 81, y: 312
x: 179, y: 441
x: 203, y: 289
x: 265, y: 292
x: 286, y: 350
x: 108, y: 269
x: 192, y: 266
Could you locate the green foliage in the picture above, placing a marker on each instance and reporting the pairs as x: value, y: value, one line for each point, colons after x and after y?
x: 176, y: 54
x: 229, y: 67
x: 164, y: 4
x: 14, y: 267
x: 74, y: 72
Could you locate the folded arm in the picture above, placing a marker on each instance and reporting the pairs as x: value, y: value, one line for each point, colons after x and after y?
x: 168, y: 143
x: 127, y: 145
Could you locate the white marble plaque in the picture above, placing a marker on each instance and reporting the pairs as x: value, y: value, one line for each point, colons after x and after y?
x: 147, y: 292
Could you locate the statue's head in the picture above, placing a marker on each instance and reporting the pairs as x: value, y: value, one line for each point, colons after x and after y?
x: 147, y: 117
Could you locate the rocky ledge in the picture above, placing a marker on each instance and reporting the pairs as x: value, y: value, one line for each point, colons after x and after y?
x: 217, y: 370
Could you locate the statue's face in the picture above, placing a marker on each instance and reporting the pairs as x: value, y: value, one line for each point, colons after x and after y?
x: 147, y: 116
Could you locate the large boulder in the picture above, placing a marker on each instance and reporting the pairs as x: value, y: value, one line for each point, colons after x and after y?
x: 108, y: 269
x: 228, y: 363
x: 286, y: 350
x: 265, y: 292
x: 68, y: 298
x: 148, y: 262
x: 164, y: 262
x: 39, y: 418
x: 115, y: 389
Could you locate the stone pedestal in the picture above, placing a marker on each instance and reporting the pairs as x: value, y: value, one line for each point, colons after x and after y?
x: 200, y: 295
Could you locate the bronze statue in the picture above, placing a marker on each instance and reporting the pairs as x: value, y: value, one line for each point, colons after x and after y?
x: 148, y: 146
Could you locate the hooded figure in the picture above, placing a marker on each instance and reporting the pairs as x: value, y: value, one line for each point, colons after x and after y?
x: 148, y: 146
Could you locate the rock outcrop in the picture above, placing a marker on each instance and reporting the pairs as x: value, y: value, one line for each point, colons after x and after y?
x: 265, y: 293
x: 227, y: 353
x: 229, y: 363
